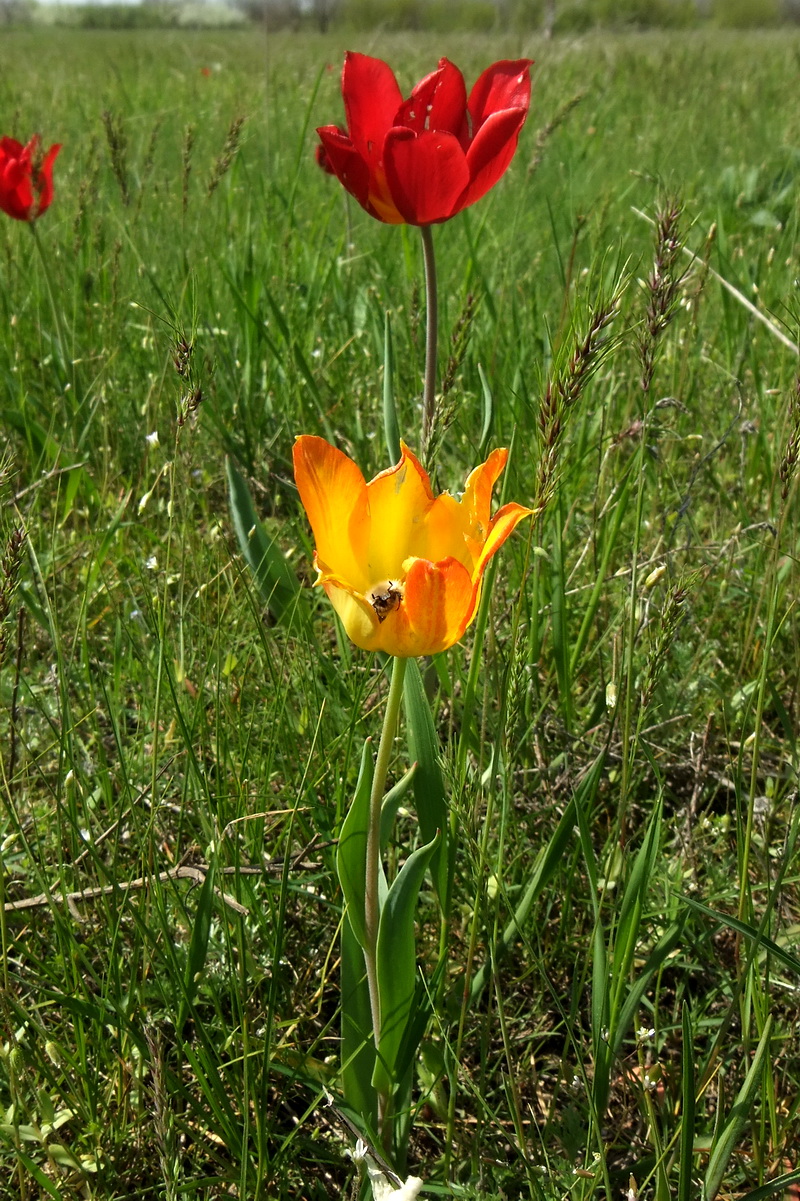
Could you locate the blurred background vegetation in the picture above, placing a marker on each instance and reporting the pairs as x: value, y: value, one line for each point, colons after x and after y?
x: 478, y: 16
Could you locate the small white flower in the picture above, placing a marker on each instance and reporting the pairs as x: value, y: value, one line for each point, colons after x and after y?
x: 152, y: 563
x: 382, y: 1187
x: 152, y: 439
x: 384, y: 1190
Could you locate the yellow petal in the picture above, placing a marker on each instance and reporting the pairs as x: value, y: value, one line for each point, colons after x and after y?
x: 334, y: 495
x: 445, y: 531
x: 477, y: 497
x: 357, y: 616
x: 399, y: 499
x: 459, y: 528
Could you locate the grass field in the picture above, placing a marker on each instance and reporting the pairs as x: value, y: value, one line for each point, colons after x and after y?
x: 626, y: 783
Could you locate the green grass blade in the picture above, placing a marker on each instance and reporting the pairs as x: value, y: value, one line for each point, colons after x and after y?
x: 198, y: 945
x: 723, y: 1146
x: 685, y: 1185
x: 391, y: 429
x: 276, y: 581
x: 748, y: 931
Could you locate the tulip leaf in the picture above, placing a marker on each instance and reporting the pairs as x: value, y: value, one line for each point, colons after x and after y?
x: 358, y: 1051
x: 390, y: 425
x: 397, y: 963
x: 429, y: 793
x: 351, y: 853
x: 276, y: 581
x: 392, y: 802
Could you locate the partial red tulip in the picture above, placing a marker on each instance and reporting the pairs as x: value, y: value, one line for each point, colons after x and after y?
x: 424, y: 159
x: 322, y: 160
x: 26, y: 178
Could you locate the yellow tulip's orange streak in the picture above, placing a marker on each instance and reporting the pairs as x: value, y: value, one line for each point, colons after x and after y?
x: 402, y: 568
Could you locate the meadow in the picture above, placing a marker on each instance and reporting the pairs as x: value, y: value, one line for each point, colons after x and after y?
x: 616, y: 1013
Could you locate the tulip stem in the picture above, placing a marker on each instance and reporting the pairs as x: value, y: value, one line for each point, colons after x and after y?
x: 431, y: 338
x: 371, y: 893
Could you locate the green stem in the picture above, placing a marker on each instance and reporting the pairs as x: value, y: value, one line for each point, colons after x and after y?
x: 371, y: 893
x: 431, y: 336
x: 62, y: 344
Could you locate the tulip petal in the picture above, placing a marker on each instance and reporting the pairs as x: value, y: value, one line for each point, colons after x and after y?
x: 355, y: 613
x: 334, y: 495
x: 437, y: 607
x: 445, y: 532
x: 504, y: 522
x: 439, y: 101
x: 371, y: 99
x: 399, y: 500
x: 426, y: 174
x: 458, y: 528
x: 10, y: 148
x: 490, y: 153
x: 478, y: 491
x: 346, y: 163
x: 45, y: 181
x: 504, y: 85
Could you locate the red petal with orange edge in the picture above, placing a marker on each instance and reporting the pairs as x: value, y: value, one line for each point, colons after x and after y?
x: 490, y: 154
x: 426, y: 174
x: 506, y: 84
x: 371, y: 99
x: 334, y: 495
x: 437, y: 607
x: 504, y: 522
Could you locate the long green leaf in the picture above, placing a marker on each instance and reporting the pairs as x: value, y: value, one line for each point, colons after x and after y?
x: 397, y: 963
x: 631, y: 907
x: 749, y: 932
x: 723, y: 1146
x: 685, y: 1186
x: 661, y: 951
x: 276, y: 581
x: 198, y: 946
x: 779, y: 1185
x: 488, y: 412
x: 351, y: 854
x: 544, y: 869
x: 358, y: 1050
x: 429, y: 792
x: 392, y: 802
x: 391, y: 428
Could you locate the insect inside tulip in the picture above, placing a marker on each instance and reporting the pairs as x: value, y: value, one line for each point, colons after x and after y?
x: 385, y: 598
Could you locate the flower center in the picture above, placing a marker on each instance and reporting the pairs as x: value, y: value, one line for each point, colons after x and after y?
x: 385, y: 598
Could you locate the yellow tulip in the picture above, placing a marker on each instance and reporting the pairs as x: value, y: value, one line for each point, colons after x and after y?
x: 402, y: 568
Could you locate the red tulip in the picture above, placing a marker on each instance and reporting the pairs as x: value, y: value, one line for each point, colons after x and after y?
x: 322, y: 160
x: 424, y: 159
x: 26, y: 179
